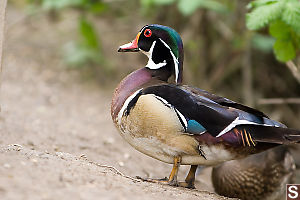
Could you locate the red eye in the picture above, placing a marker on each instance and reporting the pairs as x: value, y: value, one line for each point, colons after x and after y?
x: 147, y: 33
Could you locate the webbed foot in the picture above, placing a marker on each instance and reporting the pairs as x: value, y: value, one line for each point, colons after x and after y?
x: 172, y: 180
x: 164, y: 181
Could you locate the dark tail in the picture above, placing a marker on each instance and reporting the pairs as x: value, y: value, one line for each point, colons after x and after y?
x: 269, y: 134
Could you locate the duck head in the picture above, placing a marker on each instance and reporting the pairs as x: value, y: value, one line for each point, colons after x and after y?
x: 164, y: 48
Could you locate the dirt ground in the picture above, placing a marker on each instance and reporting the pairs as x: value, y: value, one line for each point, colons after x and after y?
x: 57, y: 138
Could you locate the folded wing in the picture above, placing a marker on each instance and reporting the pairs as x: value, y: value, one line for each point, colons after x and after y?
x: 200, y: 111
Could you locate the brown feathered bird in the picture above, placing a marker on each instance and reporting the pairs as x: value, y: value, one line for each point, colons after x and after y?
x: 259, y: 176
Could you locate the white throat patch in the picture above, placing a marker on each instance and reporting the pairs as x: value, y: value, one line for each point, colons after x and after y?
x: 151, y: 64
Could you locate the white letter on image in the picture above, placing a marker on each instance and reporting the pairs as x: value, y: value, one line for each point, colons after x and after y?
x: 293, y: 189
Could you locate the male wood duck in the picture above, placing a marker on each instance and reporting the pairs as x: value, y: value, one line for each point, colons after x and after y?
x: 258, y: 177
x: 180, y: 124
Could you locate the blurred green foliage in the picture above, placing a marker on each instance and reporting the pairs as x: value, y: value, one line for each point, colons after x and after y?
x: 283, y: 19
x: 281, y: 16
x: 262, y: 42
x: 188, y: 7
x: 94, y: 6
x: 87, y: 49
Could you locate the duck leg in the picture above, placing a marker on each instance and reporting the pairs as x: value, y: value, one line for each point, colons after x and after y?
x: 173, y: 176
x: 172, y: 180
x: 190, y: 178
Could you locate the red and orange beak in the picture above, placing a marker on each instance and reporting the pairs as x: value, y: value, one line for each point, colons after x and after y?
x: 131, y: 46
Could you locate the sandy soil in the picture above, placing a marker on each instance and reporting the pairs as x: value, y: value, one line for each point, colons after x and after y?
x: 57, y: 138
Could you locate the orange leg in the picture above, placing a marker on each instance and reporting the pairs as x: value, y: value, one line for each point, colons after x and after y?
x: 173, y: 176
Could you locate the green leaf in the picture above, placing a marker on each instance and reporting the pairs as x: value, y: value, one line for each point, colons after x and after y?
x: 77, y: 55
x: 280, y: 30
x: 148, y: 3
x: 98, y: 8
x: 60, y: 4
x: 296, y: 39
x: 263, y: 15
x: 291, y: 15
x: 189, y: 7
x: 258, y: 3
x: 284, y: 50
x: 88, y: 34
x: 163, y: 2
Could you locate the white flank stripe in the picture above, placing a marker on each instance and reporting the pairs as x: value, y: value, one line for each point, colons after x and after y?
x: 236, y: 122
x: 121, y: 112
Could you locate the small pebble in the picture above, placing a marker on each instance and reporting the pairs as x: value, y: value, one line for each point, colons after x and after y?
x: 55, y: 148
x: 83, y: 156
x: 121, y: 164
x: 19, y: 147
x: 6, y: 165
x: 126, y: 155
x: 30, y: 143
x: 109, y: 141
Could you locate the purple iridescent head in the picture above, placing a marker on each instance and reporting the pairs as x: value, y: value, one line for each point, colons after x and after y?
x: 164, y: 48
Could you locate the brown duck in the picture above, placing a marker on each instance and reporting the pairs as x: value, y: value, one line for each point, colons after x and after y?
x: 261, y: 176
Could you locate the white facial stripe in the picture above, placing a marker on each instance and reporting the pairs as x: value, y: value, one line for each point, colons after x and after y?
x: 149, y: 53
x: 128, y: 100
x: 175, y: 61
x: 236, y: 122
x: 172, y: 107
